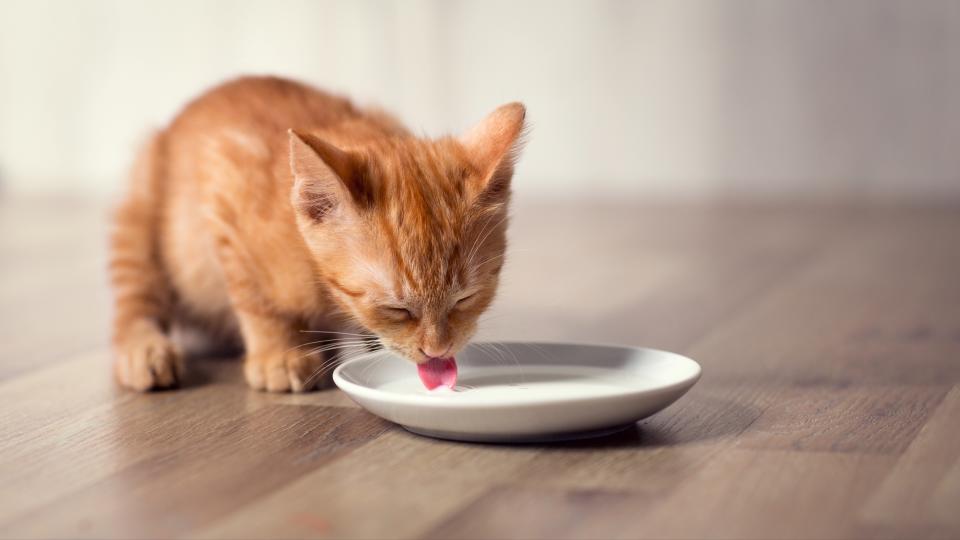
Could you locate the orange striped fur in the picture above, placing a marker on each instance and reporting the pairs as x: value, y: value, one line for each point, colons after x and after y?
x: 268, y: 208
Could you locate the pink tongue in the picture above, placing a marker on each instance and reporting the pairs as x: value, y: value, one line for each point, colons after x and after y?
x: 438, y: 371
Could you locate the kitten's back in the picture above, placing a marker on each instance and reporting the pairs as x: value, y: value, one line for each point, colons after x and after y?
x: 227, y: 174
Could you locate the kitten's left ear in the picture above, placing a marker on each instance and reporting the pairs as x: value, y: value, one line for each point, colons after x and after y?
x: 493, y: 147
x: 328, y: 180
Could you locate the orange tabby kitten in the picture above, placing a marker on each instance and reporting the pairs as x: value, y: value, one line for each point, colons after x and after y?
x: 268, y: 207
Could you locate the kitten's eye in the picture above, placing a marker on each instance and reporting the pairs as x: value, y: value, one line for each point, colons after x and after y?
x: 397, y: 313
x: 465, y: 299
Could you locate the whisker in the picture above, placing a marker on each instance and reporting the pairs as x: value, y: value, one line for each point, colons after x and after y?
x: 509, y: 252
x: 495, y: 316
x: 333, y: 346
x: 337, y: 333
x: 332, y: 363
x: 488, y: 259
x: 492, y: 352
x: 516, y: 361
x: 481, y: 237
x: 479, y: 243
x: 324, y: 341
x: 376, y: 361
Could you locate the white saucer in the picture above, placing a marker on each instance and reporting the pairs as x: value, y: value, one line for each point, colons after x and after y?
x: 522, y: 392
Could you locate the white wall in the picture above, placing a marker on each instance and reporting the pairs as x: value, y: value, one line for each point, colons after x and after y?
x: 813, y: 98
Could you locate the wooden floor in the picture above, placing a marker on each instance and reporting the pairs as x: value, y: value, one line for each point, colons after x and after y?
x: 829, y: 405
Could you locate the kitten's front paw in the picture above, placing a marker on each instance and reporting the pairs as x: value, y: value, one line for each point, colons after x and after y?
x: 290, y: 371
x: 148, y: 360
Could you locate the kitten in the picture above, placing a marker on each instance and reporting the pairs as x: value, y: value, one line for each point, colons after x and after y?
x: 268, y: 207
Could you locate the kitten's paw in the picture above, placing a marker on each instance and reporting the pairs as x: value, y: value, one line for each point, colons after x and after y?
x: 290, y: 371
x: 148, y: 360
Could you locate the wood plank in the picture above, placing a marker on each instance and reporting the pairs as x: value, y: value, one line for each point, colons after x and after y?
x: 880, y: 306
x: 675, y: 444
x: 766, y: 494
x: 859, y: 418
x: 945, y: 498
x: 742, y: 494
x: 829, y: 338
x: 924, y: 486
x: 53, y: 295
x: 173, y: 492
x: 394, y: 487
x: 52, y: 447
x: 664, y: 450
x: 515, y: 512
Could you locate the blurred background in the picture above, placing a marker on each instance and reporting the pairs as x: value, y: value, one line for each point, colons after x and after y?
x: 768, y: 99
x: 771, y: 187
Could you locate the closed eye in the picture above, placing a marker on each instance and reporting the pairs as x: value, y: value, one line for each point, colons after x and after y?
x: 397, y: 313
x: 465, y: 299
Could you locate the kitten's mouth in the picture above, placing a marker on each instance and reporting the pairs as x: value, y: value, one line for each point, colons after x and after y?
x: 437, y: 372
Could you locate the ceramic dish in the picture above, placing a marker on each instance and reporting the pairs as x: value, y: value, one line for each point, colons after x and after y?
x: 522, y: 392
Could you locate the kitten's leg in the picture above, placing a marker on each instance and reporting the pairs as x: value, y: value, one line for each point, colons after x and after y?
x: 145, y: 357
x: 276, y: 358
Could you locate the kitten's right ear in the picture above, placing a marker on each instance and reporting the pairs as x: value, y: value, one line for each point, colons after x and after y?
x: 493, y: 147
x: 326, y: 179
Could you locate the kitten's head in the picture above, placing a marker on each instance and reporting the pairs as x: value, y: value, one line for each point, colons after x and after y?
x: 409, y: 234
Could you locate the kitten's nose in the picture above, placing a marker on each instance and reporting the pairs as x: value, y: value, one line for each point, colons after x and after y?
x: 435, y: 351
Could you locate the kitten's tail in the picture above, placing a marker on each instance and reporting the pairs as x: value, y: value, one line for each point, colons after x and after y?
x: 142, y: 294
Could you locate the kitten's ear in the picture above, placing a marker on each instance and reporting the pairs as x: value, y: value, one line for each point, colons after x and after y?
x: 493, y: 147
x: 327, y: 179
